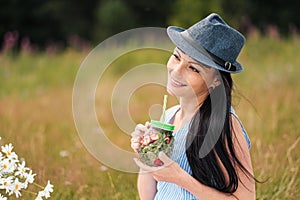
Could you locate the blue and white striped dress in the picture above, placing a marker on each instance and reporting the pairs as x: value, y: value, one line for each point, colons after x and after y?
x: 171, y: 191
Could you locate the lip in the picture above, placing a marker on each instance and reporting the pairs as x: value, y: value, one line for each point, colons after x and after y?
x: 176, y: 83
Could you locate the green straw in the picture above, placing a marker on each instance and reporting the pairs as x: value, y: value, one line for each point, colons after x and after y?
x: 163, y: 118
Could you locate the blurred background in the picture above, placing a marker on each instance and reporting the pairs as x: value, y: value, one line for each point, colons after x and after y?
x: 55, y: 23
x: 43, y: 43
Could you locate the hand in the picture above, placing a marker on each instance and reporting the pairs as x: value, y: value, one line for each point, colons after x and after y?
x: 138, y: 135
x: 170, y: 171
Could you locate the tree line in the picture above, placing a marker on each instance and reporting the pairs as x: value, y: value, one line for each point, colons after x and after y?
x: 44, y: 22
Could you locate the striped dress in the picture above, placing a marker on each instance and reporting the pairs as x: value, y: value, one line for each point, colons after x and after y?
x: 171, y: 191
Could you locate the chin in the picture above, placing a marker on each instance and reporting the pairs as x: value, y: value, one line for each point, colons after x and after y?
x: 174, y: 92
x: 170, y: 92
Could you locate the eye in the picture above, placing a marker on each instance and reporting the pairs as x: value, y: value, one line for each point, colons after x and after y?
x: 194, y: 69
x: 176, y: 56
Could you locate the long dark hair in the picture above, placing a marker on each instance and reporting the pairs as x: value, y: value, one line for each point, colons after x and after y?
x: 208, y: 169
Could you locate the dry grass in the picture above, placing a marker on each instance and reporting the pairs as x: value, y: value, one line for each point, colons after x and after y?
x: 36, y: 116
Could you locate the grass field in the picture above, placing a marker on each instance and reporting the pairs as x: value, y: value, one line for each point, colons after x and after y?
x: 36, y: 116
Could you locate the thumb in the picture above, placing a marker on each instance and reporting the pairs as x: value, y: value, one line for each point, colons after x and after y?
x: 164, y: 158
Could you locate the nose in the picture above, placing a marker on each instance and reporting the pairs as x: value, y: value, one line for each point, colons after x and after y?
x: 178, y: 66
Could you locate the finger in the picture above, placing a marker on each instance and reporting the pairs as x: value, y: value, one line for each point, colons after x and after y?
x: 135, y: 146
x: 147, y: 124
x: 135, y: 139
x: 139, y: 131
x: 164, y: 158
x: 137, y: 134
x: 140, y: 128
x: 144, y: 167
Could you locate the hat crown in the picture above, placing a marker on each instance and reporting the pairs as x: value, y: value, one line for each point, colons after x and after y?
x: 215, y: 36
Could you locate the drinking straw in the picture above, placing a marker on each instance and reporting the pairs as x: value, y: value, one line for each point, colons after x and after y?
x: 163, y: 118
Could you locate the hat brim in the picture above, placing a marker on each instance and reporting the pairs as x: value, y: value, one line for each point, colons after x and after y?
x: 201, y: 55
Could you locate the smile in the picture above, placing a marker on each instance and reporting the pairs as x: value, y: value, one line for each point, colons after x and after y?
x: 176, y: 83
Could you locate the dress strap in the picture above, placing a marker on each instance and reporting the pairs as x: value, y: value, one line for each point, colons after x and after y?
x: 243, y: 128
x: 171, y: 112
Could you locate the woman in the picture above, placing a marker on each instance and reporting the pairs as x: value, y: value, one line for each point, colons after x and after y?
x: 211, y: 157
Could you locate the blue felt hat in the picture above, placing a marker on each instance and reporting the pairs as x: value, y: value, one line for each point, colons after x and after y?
x: 212, y: 42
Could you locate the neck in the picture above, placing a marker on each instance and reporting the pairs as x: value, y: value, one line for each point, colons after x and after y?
x: 189, y: 106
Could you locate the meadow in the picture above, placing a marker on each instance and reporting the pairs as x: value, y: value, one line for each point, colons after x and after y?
x: 36, y: 117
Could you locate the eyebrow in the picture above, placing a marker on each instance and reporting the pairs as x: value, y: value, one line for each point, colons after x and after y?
x: 191, y: 62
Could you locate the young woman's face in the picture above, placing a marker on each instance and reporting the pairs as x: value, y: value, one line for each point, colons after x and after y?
x: 187, y: 77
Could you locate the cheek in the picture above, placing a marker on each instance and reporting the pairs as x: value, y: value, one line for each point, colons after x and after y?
x: 169, y: 65
x: 198, y: 84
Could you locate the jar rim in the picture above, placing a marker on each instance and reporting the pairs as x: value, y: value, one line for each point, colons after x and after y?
x: 164, y: 126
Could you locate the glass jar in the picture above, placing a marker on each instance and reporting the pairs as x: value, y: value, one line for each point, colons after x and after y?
x: 158, y: 138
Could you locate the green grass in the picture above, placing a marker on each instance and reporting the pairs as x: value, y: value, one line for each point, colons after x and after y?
x: 36, y: 116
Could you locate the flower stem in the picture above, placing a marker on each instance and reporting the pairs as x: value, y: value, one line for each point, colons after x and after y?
x: 30, y: 192
x: 110, y: 180
x: 38, y: 185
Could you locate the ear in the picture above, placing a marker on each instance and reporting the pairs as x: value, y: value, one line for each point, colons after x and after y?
x: 215, y: 82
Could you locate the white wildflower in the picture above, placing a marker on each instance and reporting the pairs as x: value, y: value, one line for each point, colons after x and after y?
x: 2, y: 197
x: 64, y: 153
x: 40, y: 195
x: 21, y: 170
x: 103, y: 168
x: 48, y: 189
x: 7, y: 149
x: 5, y: 183
x: 15, y: 176
x: 46, y: 192
x: 15, y: 187
x: 7, y: 165
x: 29, y: 178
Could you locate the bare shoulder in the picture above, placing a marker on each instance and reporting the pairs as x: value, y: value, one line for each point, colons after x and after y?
x: 247, y: 189
x: 238, y: 136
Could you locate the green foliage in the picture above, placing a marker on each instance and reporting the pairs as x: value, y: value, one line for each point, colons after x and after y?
x: 187, y: 12
x: 151, y: 13
x: 25, y: 74
x: 55, y: 22
x: 112, y: 17
x: 282, y: 14
x: 47, y: 22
